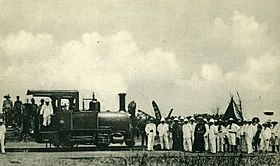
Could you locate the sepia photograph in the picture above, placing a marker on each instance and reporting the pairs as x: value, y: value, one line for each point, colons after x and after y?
x: 139, y: 82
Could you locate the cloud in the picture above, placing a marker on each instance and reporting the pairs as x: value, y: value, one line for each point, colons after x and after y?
x: 211, y: 72
x: 106, y: 64
x: 234, y: 54
x: 262, y: 73
x: 22, y: 42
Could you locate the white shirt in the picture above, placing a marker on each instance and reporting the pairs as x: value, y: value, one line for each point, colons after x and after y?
x: 207, y: 130
x: 266, y: 134
x: 278, y: 131
x: 213, y: 131
x: 233, y: 128
x: 243, y: 129
x: 150, y: 128
x: 274, y: 130
x: 162, y: 129
x: 187, y: 130
x: 2, y: 129
x: 46, y: 110
x: 250, y: 131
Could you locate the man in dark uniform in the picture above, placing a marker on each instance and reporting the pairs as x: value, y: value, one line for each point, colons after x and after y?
x: 33, y: 115
x: 144, y: 137
x: 38, y: 118
x: 17, y: 111
x: 176, y: 135
x: 256, y: 138
x: 8, y: 110
x: 199, y: 131
x: 27, y: 108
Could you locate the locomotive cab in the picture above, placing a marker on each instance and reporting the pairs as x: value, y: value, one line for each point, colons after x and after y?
x: 71, y: 126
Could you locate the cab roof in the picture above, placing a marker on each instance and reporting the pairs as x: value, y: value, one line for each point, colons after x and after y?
x: 53, y: 93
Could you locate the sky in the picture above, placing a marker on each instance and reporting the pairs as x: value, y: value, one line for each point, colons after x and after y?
x: 186, y: 55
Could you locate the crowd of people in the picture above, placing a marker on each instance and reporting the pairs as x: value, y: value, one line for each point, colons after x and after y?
x: 202, y: 135
x: 28, y: 117
x: 186, y: 134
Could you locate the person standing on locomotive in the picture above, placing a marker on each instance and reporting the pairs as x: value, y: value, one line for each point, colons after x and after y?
x: 163, y: 134
x: 47, y: 111
x: 39, y: 118
x: 33, y: 114
x: 18, y: 111
x: 27, y: 108
x: 8, y: 110
x: 151, y: 133
x: 2, y: 135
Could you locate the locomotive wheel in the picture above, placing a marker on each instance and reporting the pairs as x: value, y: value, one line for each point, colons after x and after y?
x: 130, y: 143
x: 102, y: 145
x: 55, y: 141
x: 66, y: 143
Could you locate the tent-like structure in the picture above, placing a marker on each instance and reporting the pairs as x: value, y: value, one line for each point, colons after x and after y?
x: 233, y: 111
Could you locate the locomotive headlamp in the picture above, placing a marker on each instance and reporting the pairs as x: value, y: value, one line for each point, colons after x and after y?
x: 61, y: 121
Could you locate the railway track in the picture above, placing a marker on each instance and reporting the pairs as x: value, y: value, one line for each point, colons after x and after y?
x: 75, y: 149
x: 135, y: 149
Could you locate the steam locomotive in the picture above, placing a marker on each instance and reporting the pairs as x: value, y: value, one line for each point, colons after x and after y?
x: 71, y: 126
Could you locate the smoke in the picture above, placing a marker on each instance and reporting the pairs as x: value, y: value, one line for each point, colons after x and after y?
x: 236, y: 56
x: 106, y: 65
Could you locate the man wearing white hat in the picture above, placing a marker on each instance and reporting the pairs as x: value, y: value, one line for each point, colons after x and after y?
x: 232, y: 129
x: 220, y: 136
x: 213, y: 132
x: 176, y: 132
x: 274, y: 135
x: 2, y: 135
x: 206, y: 135
x: 8, y: 110
x: 265, y: 137
x: 192, y: 124
x: 187, y: 136
x: 250, y: 131
x: 46, y: 111
x: 150, y: 130
x: 163, y: 134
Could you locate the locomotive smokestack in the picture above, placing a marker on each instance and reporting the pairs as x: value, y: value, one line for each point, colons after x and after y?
x: 122, y: 101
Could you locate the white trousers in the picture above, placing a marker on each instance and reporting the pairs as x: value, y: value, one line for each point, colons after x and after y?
x: 264, y: 145
x: 187, y: 142
x: 249, y: 142
x: 164, y: 142
x: 2, y: 143
x: 220, y: 143
x: 150, y: 143
x: 47, y: 120
x: 206, y: 143
x: 232, y: 139
x: 212, y: 145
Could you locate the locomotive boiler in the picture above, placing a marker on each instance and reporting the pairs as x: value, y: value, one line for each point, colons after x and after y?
x: 70, y: 126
